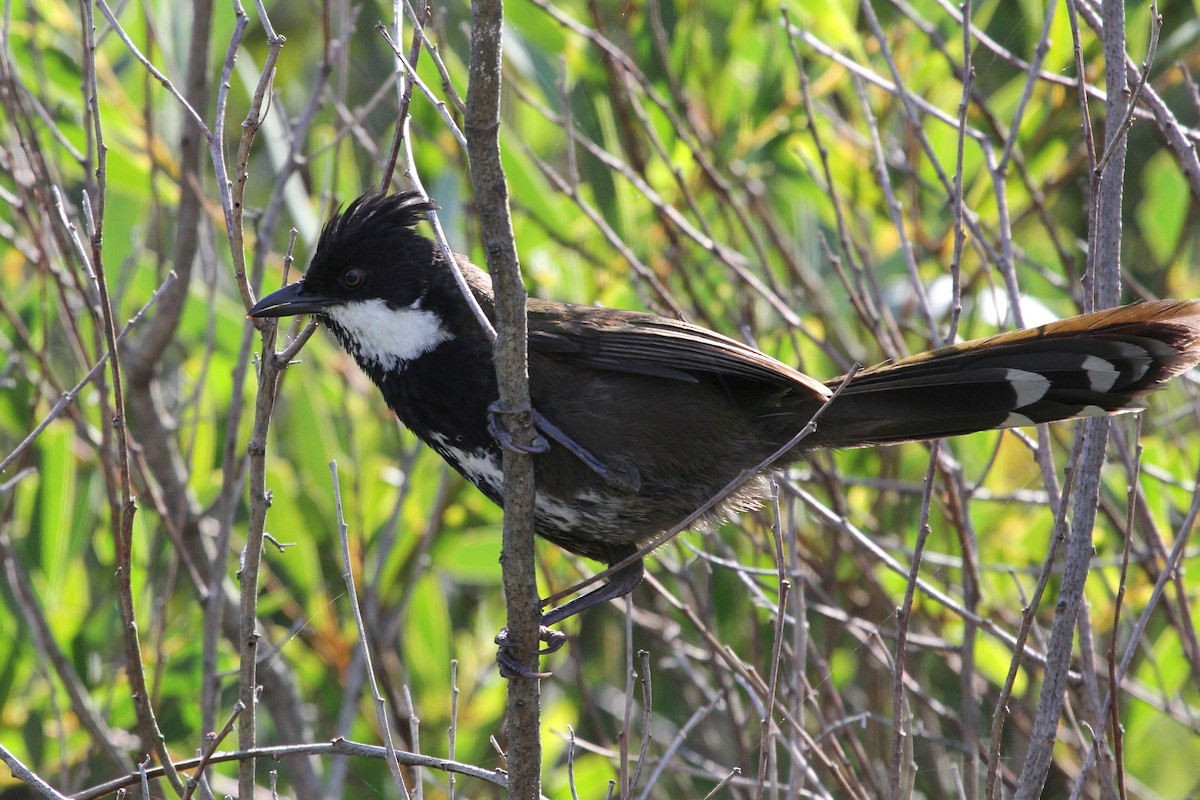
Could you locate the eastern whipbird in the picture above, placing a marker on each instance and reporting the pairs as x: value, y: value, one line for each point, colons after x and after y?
x: 647, y: 418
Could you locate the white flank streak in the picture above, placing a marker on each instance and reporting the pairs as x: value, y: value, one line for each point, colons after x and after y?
x: 480, y: 468
x: 1101, y: 374
x: 476, y: 464
x: 1029, y: 386
x: 559, y: 514
x: 389, y: 337
x: 1094, y: 411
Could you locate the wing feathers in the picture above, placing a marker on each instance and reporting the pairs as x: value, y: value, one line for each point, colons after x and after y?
x: 646, y: 344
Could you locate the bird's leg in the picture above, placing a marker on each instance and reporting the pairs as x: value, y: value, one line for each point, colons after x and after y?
x: 619, y: 475
x: 619, y: 584
x: 623, y: 476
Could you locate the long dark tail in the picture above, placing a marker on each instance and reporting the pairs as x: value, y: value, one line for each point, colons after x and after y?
x: 1094, y: 364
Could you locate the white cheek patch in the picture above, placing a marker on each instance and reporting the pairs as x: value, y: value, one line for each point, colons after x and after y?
x: 388, y: 337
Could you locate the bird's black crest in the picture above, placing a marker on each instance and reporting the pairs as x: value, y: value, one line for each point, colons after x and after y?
x: 374, y: 226
x: 374, y: 214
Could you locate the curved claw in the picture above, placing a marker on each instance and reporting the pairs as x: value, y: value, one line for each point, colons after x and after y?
x: 511, y: 667
x: 498, y: 432
x: 554, y: 640
x: 620, y: 583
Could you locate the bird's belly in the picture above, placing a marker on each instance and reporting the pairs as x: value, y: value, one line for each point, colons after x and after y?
x: 583, y: 514
x: 586, y: 517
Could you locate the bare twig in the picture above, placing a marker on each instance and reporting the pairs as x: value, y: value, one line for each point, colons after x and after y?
x: 381, y: 712
x: 482, y: 124
x: 28, y: 776
x: 901, y: 733
x: 338, y: 747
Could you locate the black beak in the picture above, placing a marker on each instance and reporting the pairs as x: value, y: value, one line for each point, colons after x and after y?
x: 291, y: 300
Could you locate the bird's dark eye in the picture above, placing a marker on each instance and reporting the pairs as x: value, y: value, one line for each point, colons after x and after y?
x: 353, y: 278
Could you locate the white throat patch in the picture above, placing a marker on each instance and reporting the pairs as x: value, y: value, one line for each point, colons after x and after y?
x: 388, y: 337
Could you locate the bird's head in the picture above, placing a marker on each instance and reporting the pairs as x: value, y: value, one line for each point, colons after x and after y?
x: 368, y: 280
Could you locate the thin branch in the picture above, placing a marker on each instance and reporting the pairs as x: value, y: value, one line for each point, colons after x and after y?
x: 482, y: 125
x: 337, y: 747
x: 902, y: 734
x: 381, y: 712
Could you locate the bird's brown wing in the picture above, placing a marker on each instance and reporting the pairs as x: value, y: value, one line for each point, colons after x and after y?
x: 646, y: 344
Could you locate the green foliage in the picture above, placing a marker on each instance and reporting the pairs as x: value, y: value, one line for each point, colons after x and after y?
x: 692, y: 127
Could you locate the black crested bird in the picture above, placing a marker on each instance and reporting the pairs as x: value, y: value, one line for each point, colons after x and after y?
x: 647, y: 418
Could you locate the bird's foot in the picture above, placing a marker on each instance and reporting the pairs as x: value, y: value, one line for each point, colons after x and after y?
x: 620, y: 582
x: 512, y: 667
x: 501, y: 434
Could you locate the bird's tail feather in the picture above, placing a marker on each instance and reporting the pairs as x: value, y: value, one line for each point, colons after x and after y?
x: 1094, y: 364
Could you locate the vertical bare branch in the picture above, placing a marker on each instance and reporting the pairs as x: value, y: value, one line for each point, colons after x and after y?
x: 122, y: 511
x: 482, y: 127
